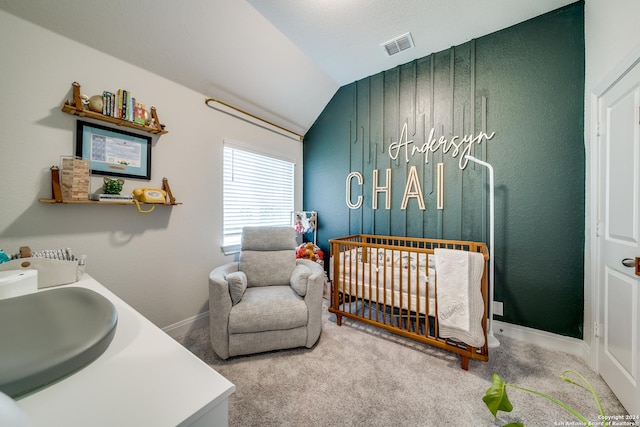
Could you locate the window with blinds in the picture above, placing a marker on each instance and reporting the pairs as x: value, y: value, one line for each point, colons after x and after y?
x: 258, y: 190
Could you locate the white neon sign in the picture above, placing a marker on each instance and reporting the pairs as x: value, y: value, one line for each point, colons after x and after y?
x: 459, y: 146
x: 455, y: 146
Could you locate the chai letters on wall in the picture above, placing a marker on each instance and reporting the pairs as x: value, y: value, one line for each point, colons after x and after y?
x: 456, y: 146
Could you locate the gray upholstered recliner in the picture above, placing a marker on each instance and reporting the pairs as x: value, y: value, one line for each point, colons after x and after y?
x: 267, y: 300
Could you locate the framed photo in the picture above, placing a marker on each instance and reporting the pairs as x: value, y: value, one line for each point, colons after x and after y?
x: 305, y: 223
x: 113, y: 152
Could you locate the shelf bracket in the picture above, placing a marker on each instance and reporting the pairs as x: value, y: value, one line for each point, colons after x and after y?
x: 154, y: 115
x: 77, y: 100
x: 165, y: 185
x: 56, y: 191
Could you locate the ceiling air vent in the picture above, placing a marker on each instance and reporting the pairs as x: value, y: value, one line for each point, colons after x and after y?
x: 398, y: 44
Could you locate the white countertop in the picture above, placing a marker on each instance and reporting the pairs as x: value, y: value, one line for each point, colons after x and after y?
x: 144, y: 378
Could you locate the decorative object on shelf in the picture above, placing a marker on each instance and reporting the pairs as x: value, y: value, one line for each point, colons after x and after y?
x: 113, y: 185
x: 74, y: 181
x: 144, y: 120
x: 112, y: 188
x: 149, y: 195
x: 146, y: 117
x: 114, y: 152
x: 96, y: 103
x: 84, y: 101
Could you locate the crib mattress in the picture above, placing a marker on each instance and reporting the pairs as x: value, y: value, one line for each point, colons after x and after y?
x: 395, y: 278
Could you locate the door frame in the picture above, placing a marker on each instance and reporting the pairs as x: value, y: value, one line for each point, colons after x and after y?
x: 592, y: 285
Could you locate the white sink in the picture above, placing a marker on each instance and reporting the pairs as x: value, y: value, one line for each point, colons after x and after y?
x: 14, y: 283
x: 50, y: 334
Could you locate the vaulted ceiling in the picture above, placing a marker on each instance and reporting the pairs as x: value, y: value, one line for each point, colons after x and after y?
x: 279, y: 59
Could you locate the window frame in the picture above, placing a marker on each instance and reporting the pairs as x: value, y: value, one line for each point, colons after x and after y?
x: 234, y: 247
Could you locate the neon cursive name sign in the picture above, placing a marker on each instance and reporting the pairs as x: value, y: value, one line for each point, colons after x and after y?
x: 458, y: 146
x: 455, y: 146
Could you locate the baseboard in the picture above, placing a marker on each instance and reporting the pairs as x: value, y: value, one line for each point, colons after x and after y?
x: 543, y: 339
x: 187, y: 325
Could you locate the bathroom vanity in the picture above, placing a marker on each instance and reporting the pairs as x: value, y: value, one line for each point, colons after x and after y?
x: 143, y: 378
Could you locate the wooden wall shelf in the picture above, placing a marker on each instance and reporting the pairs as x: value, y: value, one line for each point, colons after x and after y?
x: 94, y: 202
x: 56, y: 197
x: 75, y: 107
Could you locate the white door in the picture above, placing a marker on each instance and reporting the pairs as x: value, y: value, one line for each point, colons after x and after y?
x: 619, y: 210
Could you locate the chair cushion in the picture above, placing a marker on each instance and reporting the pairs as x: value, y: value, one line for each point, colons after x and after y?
x: 300, y: 278
x: 268, y: 238
x: 268, y: 308
x: 237, y: 285
x: 266, y: 268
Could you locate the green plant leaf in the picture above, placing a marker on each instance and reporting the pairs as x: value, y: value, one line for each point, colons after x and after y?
x: 496, y: 397
x: 586, y: 385
x: 566, y: 378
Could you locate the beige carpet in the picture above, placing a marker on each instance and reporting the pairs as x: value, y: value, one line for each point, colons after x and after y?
x: 361, y: 376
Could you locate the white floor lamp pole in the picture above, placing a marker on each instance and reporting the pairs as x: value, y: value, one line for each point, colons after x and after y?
x: 492, y: 341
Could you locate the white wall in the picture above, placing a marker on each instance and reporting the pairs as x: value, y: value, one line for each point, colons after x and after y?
x: 611, y: 35
x: 159, y: 262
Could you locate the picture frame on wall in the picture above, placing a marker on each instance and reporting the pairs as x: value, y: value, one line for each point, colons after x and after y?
x: 113, y: 152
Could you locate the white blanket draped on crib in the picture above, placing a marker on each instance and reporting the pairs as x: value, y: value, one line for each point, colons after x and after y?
x: 460, y: 304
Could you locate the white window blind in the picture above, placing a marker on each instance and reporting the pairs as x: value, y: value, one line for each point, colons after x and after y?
x: 258, y: 190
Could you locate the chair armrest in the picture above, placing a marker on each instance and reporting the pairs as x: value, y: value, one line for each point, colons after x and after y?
x: 316, y: 280
x: 219, y: 308
x: 313, y: 299
x: 218, y: 285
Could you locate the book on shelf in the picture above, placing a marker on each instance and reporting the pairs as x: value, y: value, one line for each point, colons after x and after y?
x: 124, y: 108
x: 118, y: 106
x: 105, y: 107
x: 122, y: 105
x: 138, y: 116
x: 112, y: 104
x: 107, y: 103
x: 130, y: 103
x: 111, y: 197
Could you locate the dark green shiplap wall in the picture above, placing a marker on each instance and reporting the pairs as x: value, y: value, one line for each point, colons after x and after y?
x: 526, y: 84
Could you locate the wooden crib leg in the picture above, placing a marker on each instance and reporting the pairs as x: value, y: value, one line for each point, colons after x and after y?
x: 464, y: 362
x: 338, y: 319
